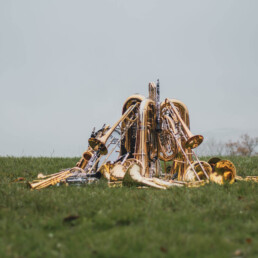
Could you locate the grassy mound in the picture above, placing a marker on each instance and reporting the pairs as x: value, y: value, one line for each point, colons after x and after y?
x: 97, y: 221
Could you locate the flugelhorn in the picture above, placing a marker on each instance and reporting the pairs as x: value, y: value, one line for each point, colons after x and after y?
x: 99, y: 144
x: 192, y: 141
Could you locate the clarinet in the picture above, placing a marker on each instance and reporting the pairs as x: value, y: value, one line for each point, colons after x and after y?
x: 158, y: 124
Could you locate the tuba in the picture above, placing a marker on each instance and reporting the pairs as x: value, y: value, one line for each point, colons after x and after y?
x: 129, y: 141
x: 145, y: 147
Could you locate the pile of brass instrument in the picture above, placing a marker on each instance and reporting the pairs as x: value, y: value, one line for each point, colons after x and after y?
x: 155, y: 148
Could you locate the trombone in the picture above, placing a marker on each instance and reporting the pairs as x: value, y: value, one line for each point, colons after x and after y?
x: 99, y: 144
x: 192, y: 141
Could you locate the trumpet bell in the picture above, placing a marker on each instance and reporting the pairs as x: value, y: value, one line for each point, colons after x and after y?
x: 194, y: 141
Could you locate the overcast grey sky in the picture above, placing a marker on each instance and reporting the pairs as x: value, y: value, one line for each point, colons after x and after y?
x: 66, y: 66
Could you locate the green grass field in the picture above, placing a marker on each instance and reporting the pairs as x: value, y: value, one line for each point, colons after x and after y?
x: 210, y: 221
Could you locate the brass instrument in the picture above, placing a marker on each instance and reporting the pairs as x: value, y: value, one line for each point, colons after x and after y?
x: 99, y: 144
x: 52, y: 179
x: 190, y: 175
x: 222, y: 171
x: 86, y: 156
x: 145, y: 150
x: 192, y: 141
x: 152, y: 135
x: 129, y: 141
x: 89, y: 155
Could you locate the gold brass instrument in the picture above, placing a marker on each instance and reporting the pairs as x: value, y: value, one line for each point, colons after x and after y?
x: 167, y: 146
x: 53, y: 179
x: 177, y: 117
x: 186, y: 159
x: 89, y: 154
x: 129, y: 141
x: 190, y: 175
x: 174, y: 152
x: 192, y: 141
x: 152, y: 135
x: 99, y: 144
x: 178, y: 166
x: 86, y: 156
x: 222, y: 171
x: 145, y: 149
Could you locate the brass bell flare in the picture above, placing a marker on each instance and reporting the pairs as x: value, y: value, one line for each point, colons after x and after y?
x: 194, y: 141
x: 197, y: 168
x: 223, y: 171
x: 97, y: 144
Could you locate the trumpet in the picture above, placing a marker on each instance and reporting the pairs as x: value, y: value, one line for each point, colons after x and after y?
x: 52, y: 180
